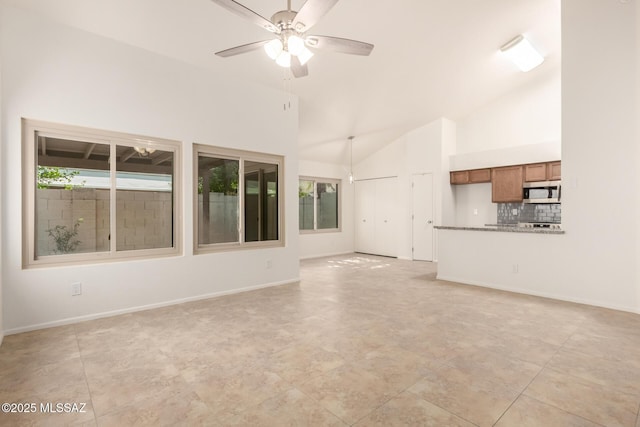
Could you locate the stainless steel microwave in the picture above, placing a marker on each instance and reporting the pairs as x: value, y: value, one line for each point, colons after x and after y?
x: 541, y: 192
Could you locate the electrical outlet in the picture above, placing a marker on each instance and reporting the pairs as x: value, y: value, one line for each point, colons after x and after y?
x: 76, y: 289
x: 475, y: 211
x: 269, y: 263
x: 514, y: 268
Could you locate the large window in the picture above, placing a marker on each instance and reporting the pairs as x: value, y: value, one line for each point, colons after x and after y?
x: 239, y: 199
x: 81, y: 205
x: 319, y: 203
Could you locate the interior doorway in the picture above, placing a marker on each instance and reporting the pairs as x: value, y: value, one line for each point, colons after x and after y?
x: 422, y: 217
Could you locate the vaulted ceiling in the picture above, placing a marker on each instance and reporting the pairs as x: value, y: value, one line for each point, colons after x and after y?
x: 432, y: 58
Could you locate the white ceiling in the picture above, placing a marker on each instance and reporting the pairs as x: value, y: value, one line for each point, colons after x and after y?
x: 432, y: 58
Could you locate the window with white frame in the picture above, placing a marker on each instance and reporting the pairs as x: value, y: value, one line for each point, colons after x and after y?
x: 94, y: 195
x: 238, y: 201
x: 319, y: 204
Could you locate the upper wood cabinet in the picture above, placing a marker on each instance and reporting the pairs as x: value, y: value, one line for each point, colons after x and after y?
x: 554, y: 170
x: 535, y: 172
x: 479, y: 175
x: 470, y: 176
x: 459, y: 177
x: 506, y: 184
x: 549, y: 171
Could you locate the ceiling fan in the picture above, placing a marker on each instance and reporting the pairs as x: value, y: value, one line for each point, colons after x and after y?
x: 290, y: 48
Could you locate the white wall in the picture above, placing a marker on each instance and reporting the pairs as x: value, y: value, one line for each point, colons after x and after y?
x: 595, y: 262
x: 314, y: 245
x: 528, y: 115
x: 59, y: 74
x: 473, y: 205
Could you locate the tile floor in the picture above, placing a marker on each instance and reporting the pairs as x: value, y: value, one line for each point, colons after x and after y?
x: 362, y: 340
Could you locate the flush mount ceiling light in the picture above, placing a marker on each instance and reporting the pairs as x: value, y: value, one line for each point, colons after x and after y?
x: 290, y: 49
x: 522, y: 53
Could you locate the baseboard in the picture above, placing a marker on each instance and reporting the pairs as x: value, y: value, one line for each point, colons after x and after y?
x: 538, y: 294
x: 78, y: 319
x: 326, y: 255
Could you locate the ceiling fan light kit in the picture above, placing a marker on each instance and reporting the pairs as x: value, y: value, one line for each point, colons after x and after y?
x: 290, y: 49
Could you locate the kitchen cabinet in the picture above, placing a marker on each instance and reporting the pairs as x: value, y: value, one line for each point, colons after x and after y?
x: 535, y: 172
x: 459, y: 177
x: 554, y: 170
x: 376, y: 217
x: 549, y: 171
x: 506, y: 184
x: 473, y: 176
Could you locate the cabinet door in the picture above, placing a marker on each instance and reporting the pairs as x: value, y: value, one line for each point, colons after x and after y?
x: 536, y: 172
x: 365, y: 228
x: 459, y: 177
x: 554, y: 170
x: 506, y: 184
x: 479, y: 175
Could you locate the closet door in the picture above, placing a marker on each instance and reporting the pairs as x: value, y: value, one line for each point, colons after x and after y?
x: 365, y: 196
x: 385, y: 217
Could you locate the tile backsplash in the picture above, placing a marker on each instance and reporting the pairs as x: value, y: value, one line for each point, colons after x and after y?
x: 548, y: 212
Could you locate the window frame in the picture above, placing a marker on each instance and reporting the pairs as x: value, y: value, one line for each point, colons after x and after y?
x: 241, y: 156
x: 31, y: 128
x: 315, y: 181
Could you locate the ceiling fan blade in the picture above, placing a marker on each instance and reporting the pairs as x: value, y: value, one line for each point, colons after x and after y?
x: 297, y: 68
x: 247, y: 13
x: 337, y: 44
x: 310, y: 13
x: 242, y: 49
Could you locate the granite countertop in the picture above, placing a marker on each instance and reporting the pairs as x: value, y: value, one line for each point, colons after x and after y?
x: 508, y: 228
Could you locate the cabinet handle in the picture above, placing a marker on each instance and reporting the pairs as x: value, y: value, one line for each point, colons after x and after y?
x: 429, y: 222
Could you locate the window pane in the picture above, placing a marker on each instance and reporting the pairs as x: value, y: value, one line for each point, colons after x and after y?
x: 305, y: 203
x: 72, y: 199
x: 218, y: 203
x: 260, y: 201
x: 144, y: 198
x: 327, y: 206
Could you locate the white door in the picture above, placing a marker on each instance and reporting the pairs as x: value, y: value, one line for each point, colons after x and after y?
x: 422, y: 189
x: 385, y: 217
x: 365, y: 193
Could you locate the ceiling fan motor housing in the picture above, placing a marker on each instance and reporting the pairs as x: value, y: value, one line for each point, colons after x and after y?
x: 284, y: 19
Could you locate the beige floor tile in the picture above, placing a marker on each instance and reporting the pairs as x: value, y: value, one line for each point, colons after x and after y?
x: 230, y: 392
x: 621, y: 375
x: 398, y: 367
x: 408, y: 409
x: 349, y: 392
x: 613, y: 347
x: 114, y: 381
x: 493, y: 367
x: 479, y: 400
x: 291, y: 408
x: 27, y: 381
x: 302, y: 362
x: 528, y: 412
x: 607, y: 406
x: 163, y: 410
